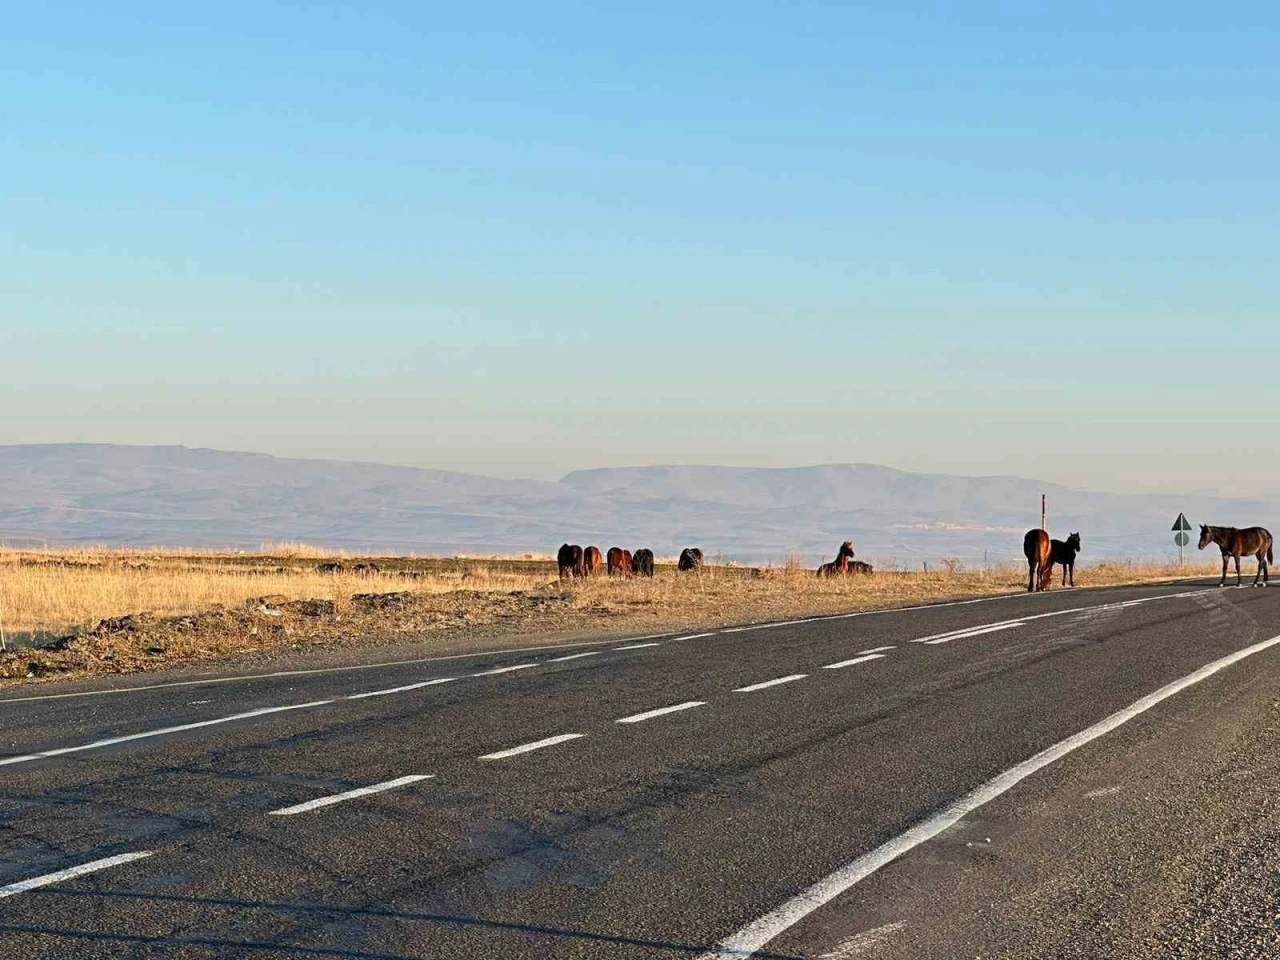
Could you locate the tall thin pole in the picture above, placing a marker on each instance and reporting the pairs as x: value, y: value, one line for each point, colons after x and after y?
x: 1042, y: 513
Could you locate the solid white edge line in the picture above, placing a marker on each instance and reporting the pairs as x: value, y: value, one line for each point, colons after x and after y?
x: 111, y: 741
x: 638, y: 646
x: 575, y: 656
x: 406, y: 687
x: 849, y: 663
x: 650, y: 714
x: 529, y: 747
x: 748, y: 941
x: 93, y: 866
x: 351, y: 794
x: 771, y: 683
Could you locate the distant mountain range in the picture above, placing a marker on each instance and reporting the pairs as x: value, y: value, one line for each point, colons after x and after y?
x: 178, y: 496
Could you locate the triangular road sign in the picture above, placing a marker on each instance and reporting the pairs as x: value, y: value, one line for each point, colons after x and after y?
x: 1181, y: 523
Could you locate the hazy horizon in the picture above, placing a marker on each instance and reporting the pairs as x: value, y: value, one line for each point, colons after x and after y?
x: 1208, y: 491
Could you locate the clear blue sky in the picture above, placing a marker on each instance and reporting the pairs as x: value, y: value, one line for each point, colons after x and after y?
x: 524, y: 238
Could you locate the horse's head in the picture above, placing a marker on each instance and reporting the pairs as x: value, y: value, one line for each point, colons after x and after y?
x: 1204, y: 536
x: 846, y: 549
x: 1073, y: 543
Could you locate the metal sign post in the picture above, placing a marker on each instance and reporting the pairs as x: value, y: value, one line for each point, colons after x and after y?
x: 1180, y: 534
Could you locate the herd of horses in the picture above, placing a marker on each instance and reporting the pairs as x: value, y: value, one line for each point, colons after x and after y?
x: 575, y: 561
x: 1042, y: 553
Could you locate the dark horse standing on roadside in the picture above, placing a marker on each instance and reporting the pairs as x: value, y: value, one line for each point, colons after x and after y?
x: 842, y: 564
x: 1236, y: 543
x: 1064, y: 552
x: 1035, y: 547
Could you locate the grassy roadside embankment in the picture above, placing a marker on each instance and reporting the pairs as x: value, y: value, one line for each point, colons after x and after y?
x: 84, y: 612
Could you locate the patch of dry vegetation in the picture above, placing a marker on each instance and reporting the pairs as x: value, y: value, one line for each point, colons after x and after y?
x: 113, y: 611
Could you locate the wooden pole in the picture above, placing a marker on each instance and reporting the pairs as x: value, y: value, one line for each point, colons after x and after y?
x: 1042, y: 514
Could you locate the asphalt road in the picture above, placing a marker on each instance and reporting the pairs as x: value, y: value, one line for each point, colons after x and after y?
x: 391, y: 812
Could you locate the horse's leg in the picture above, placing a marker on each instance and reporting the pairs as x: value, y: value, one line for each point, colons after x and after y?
x: 1261, y: 561
x: 1225, y: 560
x: 1031, y: 575
x: 1239, y: 579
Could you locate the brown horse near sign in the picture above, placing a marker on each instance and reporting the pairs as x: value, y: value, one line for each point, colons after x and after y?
x: 1237, y: 543
x: 1036, y: 548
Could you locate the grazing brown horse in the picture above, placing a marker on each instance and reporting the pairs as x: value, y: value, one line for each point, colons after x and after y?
x: 591, y: 561
x: 569, y: 559
x: 642, y: 562
x: 690, y: 559
x: 841, y: 565
x: 618, y: 562
x: 1237, y: 543
x: 1035, y: 547
x: 1064, y: 552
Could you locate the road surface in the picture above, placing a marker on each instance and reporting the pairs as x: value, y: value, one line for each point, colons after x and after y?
x: 1078, y: 773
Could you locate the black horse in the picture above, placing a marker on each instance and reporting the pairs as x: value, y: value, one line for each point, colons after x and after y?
x: 1064, y: 552
x: 690, y: 559
x: 569, y: 560
x: 642, y: 562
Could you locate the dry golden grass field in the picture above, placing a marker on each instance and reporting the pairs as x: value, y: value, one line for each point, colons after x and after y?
x: 76, y: 612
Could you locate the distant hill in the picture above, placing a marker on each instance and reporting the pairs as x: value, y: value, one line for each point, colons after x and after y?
x: 178, y: 496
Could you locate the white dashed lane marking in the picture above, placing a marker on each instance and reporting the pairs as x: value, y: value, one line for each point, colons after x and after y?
x: 497, y: 670
x: 855, y: 660
x: 405, y: 688
x: 180, y: 728
x: 350, y: 795
x: 994, y: 628
x: 530, y: 747
x: 575, y: 656
x: 661, y: 711
x: 93, y: 866
x: 771, y: 683
x: 876, y: 650
x: 638, y: 646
